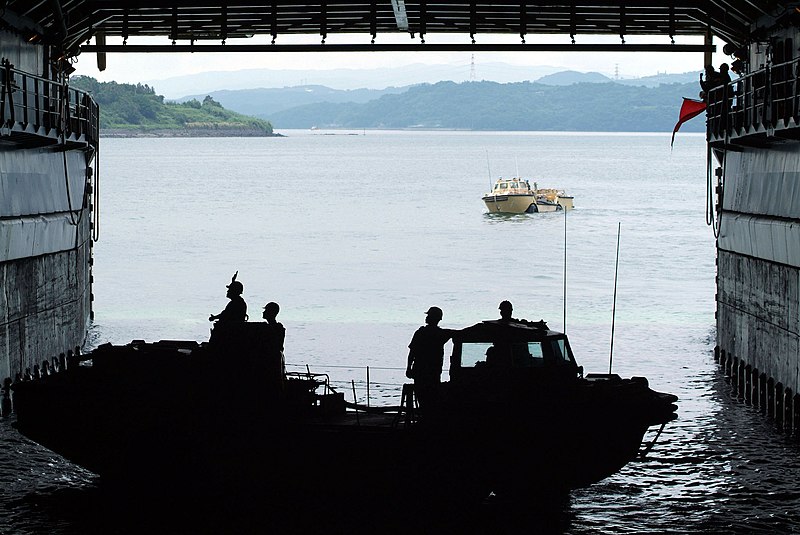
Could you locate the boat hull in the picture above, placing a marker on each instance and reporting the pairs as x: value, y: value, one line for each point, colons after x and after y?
x: 509, y: 204
x: 179, y: 412
x: 519, y: 204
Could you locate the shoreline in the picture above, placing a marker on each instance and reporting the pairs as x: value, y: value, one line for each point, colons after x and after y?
x: 184, y: 132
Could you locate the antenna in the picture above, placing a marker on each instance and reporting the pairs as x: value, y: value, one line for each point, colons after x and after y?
x: 472, y: 69
x: 614, y: 305
x: 516, y: 166
x: 490, y: 170
x: 565, y: 271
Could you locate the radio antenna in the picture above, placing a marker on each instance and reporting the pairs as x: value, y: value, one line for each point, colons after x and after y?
x: 488, y: 168
x: 565, y: 271
x: 614, y: 305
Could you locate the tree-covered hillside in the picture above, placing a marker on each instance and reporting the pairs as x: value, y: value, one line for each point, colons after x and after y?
x: 138, y: 107
x: 593, y: 107
x: 515, y: 106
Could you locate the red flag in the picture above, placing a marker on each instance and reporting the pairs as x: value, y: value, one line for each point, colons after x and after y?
x: 689, y: 109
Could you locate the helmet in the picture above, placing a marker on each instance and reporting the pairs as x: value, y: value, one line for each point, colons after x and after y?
x: 505, y: 305
x: 272, y: 308
x: 435, y: 311
x: 236, y: 287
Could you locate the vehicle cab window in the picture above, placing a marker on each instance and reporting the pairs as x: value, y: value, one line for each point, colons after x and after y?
x: 562, y: 354
x: 517, y: 354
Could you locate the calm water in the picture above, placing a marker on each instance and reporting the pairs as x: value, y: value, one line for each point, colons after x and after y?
x: 357, y: 235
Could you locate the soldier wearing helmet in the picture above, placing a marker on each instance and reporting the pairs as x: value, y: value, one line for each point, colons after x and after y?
x: 426, y: 356
x: 506, y: 309
x: 236, y: 309
x: 277, y: 332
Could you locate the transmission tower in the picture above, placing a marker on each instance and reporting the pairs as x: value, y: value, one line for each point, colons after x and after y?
x: 472, y: 69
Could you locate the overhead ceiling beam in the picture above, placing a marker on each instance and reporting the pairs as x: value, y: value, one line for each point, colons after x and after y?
x: 420, y: 47
x: 730, y: 20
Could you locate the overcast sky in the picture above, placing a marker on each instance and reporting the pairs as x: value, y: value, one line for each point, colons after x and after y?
x: 132, y: 68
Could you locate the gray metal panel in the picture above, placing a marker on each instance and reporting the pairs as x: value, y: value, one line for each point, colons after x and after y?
x: 35, y: 236
x: 763, y: 182
x: 21, y: 55
x: 758, y: 319
x: 768, y: 239
x: 35, y: 182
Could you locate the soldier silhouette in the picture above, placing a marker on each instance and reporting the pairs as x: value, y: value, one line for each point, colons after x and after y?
x: 426, y: 356
x: 277, y: 332
x: 505, y: 311
x: 236, y: 310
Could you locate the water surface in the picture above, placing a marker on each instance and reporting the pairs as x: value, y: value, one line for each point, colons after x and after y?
x: 355, y: 236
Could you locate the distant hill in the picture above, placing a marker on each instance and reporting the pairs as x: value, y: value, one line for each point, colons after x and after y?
x: 271, y: 103
x: 574, y: 104
x: 601, y: 107
x: 344, y: 79
x: 659, y: 79
x: 573, y: 77
x: 208, y: 83
x: 264, y: 102
x: 138, y: 109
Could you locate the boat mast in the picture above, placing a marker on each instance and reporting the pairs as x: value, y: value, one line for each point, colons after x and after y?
x: 565, y: 271
x: 488, y: 168
x: 614, y: 304
x: 491, y: 186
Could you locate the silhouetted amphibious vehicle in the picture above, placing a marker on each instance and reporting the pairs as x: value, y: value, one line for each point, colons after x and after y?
x: 517, y: 416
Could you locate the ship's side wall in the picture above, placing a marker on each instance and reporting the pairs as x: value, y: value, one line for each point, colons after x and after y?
x: 45, y: 227
x: 758, y: 262
x: 25, y: 57
x: 45, y: 251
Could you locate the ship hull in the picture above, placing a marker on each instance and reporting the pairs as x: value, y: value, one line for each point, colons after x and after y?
x: 45, y: 256
x: 48, y: 141
x: 758, y: 269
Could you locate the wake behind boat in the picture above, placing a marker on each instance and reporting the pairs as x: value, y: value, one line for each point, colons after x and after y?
x: 515, y: 196
x: 517, y: 416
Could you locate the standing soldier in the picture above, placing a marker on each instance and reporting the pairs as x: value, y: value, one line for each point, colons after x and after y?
x: 236, y: 309
x: 426, y: 356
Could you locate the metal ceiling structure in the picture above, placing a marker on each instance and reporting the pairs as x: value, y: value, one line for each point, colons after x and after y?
x: 196, y: 25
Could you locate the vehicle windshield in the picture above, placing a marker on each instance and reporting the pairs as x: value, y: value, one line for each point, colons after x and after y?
x: 553, y: 351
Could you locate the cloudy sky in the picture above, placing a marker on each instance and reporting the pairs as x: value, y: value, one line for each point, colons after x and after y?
x: 142, y: 67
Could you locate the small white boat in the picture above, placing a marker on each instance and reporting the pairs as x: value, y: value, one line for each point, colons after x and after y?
x: 515, y: 196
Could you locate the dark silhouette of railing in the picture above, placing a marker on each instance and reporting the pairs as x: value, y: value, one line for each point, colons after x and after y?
x: 756, y: 105
x: 40, y: 110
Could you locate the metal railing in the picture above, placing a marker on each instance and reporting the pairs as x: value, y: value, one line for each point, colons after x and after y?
x: 759, y: 102
x: 46, y: 107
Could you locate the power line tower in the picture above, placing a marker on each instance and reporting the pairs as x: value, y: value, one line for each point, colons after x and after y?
x: 472, y: 69
x: 616, y: 71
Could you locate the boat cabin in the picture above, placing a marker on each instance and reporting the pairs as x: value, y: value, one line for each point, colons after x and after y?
x: 501, y: 345
x: 506, y: 186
